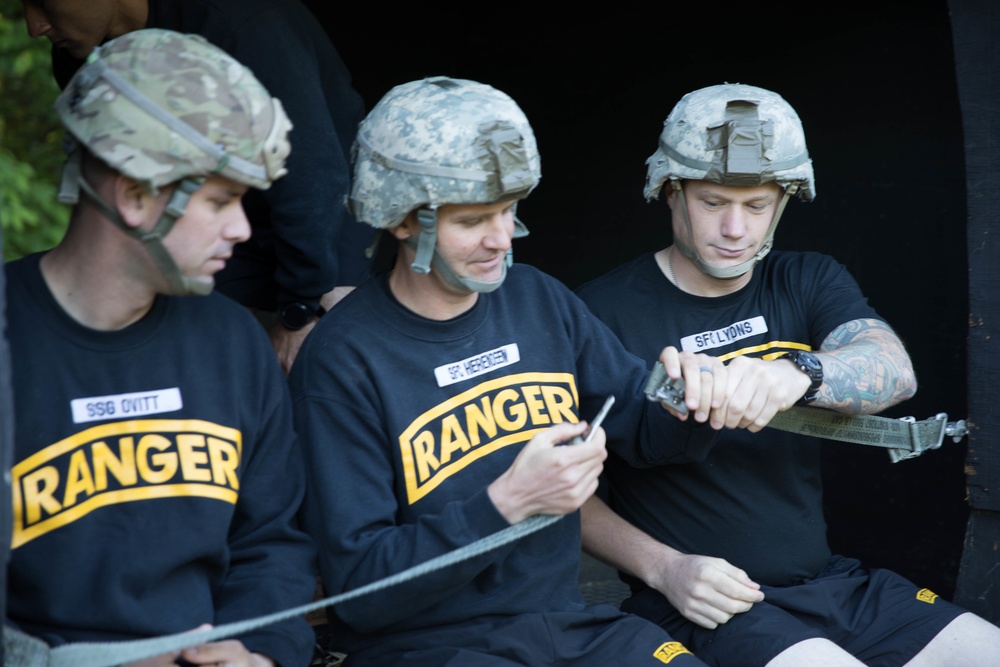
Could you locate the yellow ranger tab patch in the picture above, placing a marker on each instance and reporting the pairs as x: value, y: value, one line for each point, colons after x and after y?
x: 927, y: 595
x: 670, y: 650
x: 493, y: 414
x: 123, y: 462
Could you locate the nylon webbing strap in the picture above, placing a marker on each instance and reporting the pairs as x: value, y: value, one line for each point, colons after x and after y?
x: 21, y: 650
x: 904, y: 438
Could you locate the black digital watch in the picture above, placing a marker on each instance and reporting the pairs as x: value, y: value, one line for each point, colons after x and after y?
x: 295, y: 315
x: 809, y: 364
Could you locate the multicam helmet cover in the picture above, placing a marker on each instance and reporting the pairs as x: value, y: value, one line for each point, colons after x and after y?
x: 441, y: 141
x: 732, y: 134
x: 166, y: 108
x: 160, y: 106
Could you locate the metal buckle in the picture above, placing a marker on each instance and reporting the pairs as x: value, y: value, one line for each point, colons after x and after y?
x: 955, y: 430
x: 660, y: 387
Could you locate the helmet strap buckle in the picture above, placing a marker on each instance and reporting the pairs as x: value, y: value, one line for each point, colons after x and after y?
x: 427, y: 217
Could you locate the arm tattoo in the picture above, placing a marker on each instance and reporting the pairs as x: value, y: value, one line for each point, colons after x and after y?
x: 865, y: 368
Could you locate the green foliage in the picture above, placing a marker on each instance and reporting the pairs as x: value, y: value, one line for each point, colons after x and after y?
x: 30, y: 140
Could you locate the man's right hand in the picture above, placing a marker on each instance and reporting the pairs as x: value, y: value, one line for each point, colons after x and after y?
x: 707, y: 591
x: 548, y: 476
x: 745, y: 393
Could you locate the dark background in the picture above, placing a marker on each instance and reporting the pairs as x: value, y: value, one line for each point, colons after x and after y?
x: 876, y: 90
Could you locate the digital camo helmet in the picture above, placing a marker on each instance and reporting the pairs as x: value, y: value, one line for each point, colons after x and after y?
x: 441, y: 141
x: 163, y: 107
x: 732, y: 134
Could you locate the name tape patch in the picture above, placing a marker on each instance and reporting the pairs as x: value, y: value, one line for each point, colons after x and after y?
x: 706, y: 340
x: 477, y: 365
x: 135, y: 404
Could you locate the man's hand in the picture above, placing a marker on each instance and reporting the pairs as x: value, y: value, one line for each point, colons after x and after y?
x: 549, y: 478
x: 707, y: 591
x: 287, y: 343
x: 746, y: 393
x: 757, y: 390
x: 705, y: 383
x: 229, y: 652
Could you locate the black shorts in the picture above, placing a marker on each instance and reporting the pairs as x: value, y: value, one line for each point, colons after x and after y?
x: 599, y: 636
x: 878, y: 616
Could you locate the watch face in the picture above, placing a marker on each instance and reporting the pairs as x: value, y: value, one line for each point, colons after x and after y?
x: 294, y: 316
x: 810, y: 362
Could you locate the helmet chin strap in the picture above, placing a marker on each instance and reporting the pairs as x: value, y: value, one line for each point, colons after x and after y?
x: 729, y: 272
x: 180, y: 285
x: 427, y: 255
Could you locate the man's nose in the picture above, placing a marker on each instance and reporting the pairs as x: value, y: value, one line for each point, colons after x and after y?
x: 35, y: 20
x: 501, y: 229
x: 238, y: 226
x: 735, y: 222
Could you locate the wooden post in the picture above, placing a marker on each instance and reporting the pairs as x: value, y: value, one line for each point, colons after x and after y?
x: 977, y: 56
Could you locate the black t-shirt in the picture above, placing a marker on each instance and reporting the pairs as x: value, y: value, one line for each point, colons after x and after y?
x: 754, y: 499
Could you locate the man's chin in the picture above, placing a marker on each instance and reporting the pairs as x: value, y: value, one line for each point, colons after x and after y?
x: 78, y: 51
x: 201, y: 286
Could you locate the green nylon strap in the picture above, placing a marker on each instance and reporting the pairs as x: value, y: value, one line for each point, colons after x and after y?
x: 905, y: 438
x: 21, y: 650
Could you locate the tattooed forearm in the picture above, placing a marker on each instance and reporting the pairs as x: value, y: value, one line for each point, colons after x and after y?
x: 865, y: 369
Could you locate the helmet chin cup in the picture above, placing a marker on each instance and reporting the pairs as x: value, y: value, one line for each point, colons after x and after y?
x: 729, y: 272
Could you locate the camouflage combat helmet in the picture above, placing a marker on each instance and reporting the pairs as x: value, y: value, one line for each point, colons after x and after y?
x: 441, y: 141
x: 162, y: 107
x: 732, y: 134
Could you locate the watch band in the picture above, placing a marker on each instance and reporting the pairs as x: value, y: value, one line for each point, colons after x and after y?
x: 809, y: 364
x: 296, y: 315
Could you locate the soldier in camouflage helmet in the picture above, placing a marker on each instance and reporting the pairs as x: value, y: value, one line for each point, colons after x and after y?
x: 161, y: 121
x: 731, y: 134
x: 305, y: 251
x: 449, y: 383
x: 409, y: 160
x: 726, y: 545
x: 152, y: 415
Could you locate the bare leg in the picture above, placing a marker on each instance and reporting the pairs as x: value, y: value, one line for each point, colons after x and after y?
x: 815, y: 653
x: 968, y: 641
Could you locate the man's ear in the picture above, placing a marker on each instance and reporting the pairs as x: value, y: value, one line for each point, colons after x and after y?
x: 132, y: 201
x: 405, y: 229
x: 669, y: 193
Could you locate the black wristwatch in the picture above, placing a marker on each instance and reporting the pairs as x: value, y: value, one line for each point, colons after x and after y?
x: 809, y: 364
x: 293, y: 316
